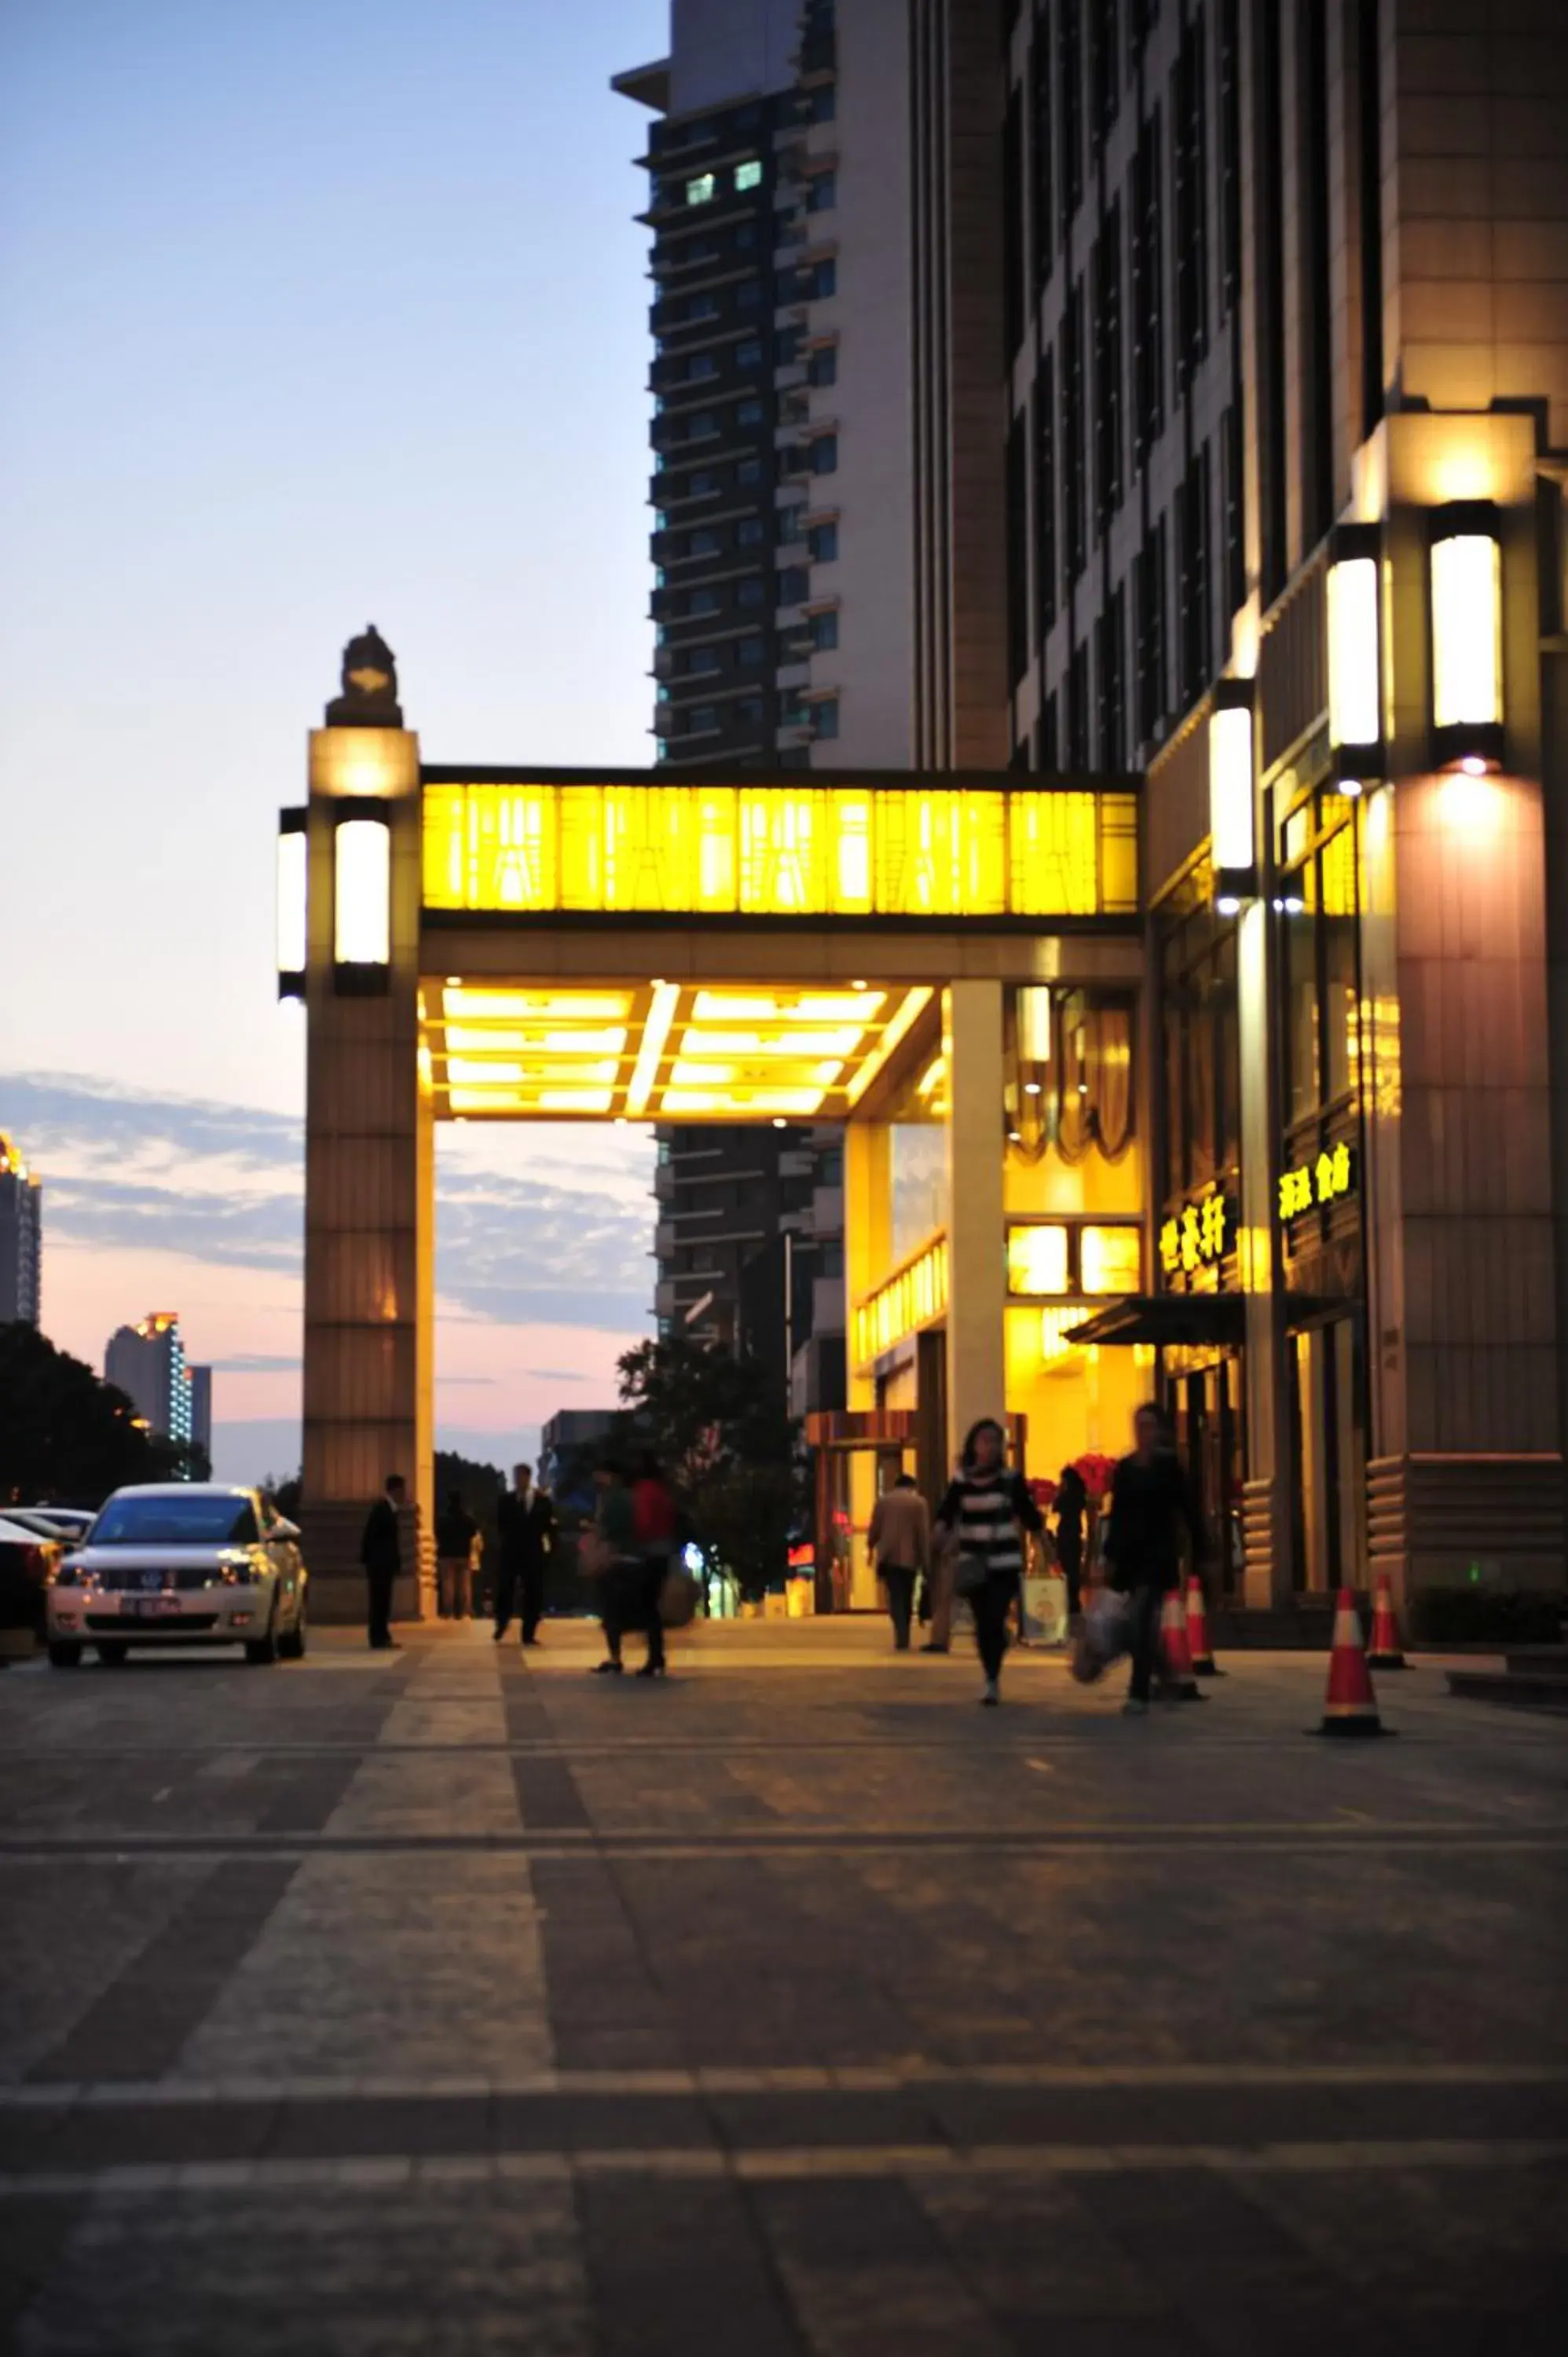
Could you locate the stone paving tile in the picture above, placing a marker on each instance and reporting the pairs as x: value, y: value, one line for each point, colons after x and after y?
x: 141, y: 2021
x: 50, y: 1971
x: 678, y: 2269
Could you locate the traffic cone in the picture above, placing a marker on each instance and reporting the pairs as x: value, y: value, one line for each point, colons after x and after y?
x: 1176, y: 1679
x: 1349, y: 1707
x: 1384, y: 1653
x: 1204, y: 1665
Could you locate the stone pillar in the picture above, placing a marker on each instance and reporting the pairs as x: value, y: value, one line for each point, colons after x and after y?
x: 977, y: 1268
x: 868, y: 1227
x: 367, y: 1187
x: 1265, y: 1492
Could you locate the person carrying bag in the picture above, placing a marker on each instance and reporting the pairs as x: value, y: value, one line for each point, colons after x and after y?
x: 986, y: 1509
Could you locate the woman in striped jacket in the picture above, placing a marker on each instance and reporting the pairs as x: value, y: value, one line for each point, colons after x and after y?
x: 985, y: 1510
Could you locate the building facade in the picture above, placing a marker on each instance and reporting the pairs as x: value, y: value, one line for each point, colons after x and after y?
x: 1286, y: 399
x: 21, y: 1238
x: 147, y: 1363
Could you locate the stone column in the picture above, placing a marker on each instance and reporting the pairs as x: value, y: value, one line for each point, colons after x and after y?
x: 977, y: 1272
x: 366, y: 1387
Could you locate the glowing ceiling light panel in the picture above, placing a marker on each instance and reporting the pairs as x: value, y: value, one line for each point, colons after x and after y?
x: 655, y: 1038
x: 914, y: 1005
x: 550, y: 1005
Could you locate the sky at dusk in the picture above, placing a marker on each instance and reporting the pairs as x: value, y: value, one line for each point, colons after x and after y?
x: 315, y: 313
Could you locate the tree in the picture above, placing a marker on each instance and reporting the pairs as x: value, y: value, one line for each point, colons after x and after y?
x: 64, y: 1434
x: 716, y: 1424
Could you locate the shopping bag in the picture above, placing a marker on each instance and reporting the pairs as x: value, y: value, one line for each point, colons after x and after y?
x: 596, y: 1555
x: 678, y: 1597
x: 1105, y: 1634
x: 1045, y: 1609
x: 970, y: 1575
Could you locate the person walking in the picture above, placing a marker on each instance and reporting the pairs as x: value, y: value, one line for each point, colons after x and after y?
x: 655, y: 1523
x: 1151, y: 1503
x: 455, y: 1535
x: 899, y: 1541
x: 380, y: 1552
x: 525, y: 1524
x: 1071, y: 1505
x: 622, y: 1580
x: 986, y: 1508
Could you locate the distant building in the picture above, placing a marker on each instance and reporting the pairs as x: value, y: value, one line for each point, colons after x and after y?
x: 21, y: 1237
x: 563, y: 1442
x: 146, y: 1361
x: 201, y: 1410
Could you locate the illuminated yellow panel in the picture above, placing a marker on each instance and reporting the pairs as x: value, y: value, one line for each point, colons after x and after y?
x: 1112, y: 1259
x: 781, y: 851
x: 1036, y: 1260
x: 574, y: 1100
x: 1056, y: 1325
x: 916, y: 1296
x: 839, y: 1043
x: 513, y: 1005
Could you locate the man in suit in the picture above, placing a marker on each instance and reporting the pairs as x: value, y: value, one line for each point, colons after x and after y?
x: 380, y: 1552
x: 526, y: 1521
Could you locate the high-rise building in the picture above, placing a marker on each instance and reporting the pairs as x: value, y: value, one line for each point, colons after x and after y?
x: 827, y: 537
x: 147, y: 1363
x: 21, y: 1237
x: 201, y: 1410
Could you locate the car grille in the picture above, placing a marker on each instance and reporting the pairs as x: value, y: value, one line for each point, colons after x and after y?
x: 111, y: 1624
x: 142, y: 1581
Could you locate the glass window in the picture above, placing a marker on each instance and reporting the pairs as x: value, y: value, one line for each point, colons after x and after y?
x: 702, y: 659
x: 748, y: 531
x: 745, y: 235
x: 703, y: 544
x: 822, y: 192
x: 751, y: 592
x: 203, y: 1519
x: 822, y: 104
x: 823, y: 540
x: 702, y: 601
x: 794, y: 583
x: 825, y: 717
x: 824, y: 630
x: 787, y: 346
x: 824, y: 278
x: 1300, y: 966
x: 1036, y: 1260
x: 748, y: 470
x: 748, y: 355
x: 748, y: 712
x: 699, y: 190
x: 1110, y: 1260
x: 703, y: 307
x: 701, y: 364
x: 823, y: 368
x: 748, y: 413
x: 825, y: 455
x: 704, y: 421
x: 748, y: 295
x: 751, y: 652
x: 703, y: 718
x: 748, y: 174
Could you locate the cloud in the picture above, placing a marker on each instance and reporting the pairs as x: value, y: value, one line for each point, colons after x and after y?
x: 563, y: 1240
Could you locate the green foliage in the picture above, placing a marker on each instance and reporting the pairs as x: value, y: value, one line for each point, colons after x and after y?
x: 479, y: 1486
x: 715, y: 1423
x: 1482, y: 1616
x: 65, y: 1435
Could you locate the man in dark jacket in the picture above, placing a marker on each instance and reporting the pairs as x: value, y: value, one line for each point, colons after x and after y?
x: 380, y: 1552
x: 525, y: 1520
x: 1151, y: 1504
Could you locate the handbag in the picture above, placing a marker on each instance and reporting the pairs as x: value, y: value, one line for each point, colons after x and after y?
x: 677, y: 1597
x: 595, y: 1555
x: 970, y: 1575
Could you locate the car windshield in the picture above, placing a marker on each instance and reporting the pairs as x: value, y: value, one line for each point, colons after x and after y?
x: 176, y: 1522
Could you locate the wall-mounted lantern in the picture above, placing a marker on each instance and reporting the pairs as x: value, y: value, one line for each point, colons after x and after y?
x: 1232, y: 850
x: 362, y: 895
x: 1354, y: 655
x: 1466, y: 638
x: 292, y: 903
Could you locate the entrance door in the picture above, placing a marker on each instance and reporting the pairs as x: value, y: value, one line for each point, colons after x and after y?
x: 1328, y: 1429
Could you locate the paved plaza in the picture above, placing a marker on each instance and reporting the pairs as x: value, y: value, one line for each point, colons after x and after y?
x: 454, y: 2001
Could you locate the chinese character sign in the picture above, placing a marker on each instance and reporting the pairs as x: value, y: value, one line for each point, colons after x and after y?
x: 1313, y: 1186
x: 1199, y: 1236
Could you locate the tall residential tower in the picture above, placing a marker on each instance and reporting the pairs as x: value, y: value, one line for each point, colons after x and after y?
x: 21, y: 1237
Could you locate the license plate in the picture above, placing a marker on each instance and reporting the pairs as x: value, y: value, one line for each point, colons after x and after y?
x: 152, y: 1608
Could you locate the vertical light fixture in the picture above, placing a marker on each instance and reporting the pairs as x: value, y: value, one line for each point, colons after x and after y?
x: 362, y: 895
x: 1354, y: 613
x: 293, y: 886
x: 1232, y: 848
x: 1467, y: 577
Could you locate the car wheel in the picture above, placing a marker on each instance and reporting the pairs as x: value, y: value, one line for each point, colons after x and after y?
x: 63, y: 1655
x: 261, y: 1651
x: 291, y: 1644
x: 112, y: 1654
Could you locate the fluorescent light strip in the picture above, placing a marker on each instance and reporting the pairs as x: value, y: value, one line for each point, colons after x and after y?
x: 655, y: 1036
x: 915, y: 1005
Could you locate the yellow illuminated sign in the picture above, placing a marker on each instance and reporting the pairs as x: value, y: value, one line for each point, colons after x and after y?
x: 1199, y: 1236
x: 903, y: 850
x: 915, y: 1296
x: 1312, y: 1185
x: 1036, y: 1260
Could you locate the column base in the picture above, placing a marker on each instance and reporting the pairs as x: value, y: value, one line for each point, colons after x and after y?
x: 330, y: 1542
x: 1466, y: 1521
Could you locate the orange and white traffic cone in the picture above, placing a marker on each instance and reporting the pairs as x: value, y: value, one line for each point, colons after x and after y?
x: 1204, y: 1665
x: 1384, y: 1653
x: 1349, y: 1707
x: 1177, y: 1680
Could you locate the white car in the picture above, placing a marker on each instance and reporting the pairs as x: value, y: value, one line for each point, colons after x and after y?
x: 181, y: 1562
